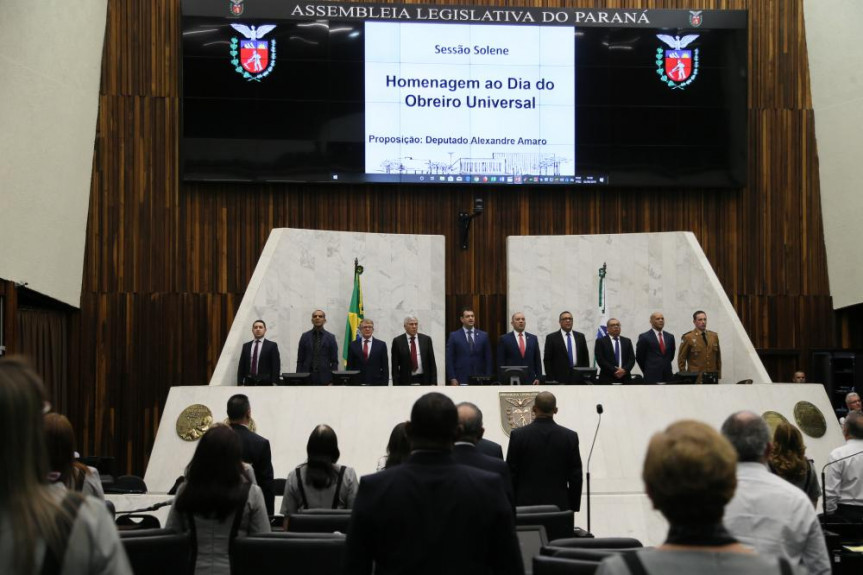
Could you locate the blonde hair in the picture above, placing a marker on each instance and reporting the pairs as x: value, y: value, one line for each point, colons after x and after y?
x: 32, y: 509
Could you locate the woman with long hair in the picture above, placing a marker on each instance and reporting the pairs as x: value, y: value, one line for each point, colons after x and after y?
x: 216, y: 502
x: 398, y: 448
x: 61, y: 458
x: 42, y: 525
x: 319, y: 483
x: 788, y: 461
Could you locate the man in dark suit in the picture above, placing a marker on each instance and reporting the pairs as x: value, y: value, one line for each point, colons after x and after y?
x: 430, y: 514
x: 259, y: 361
x: 490, y: 448
x: 564, y: 349
x: 468, y: 351
x: 520, y: 348
x: 369, y: 356
x: 544, y: 460
x: 256, y: 449
x: 655, y: 351
x: 470, y: 431
x: 614, y: 355
x: 318, y: 352
x: 413, y: 356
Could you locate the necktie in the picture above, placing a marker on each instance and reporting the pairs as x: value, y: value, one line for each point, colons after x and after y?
x: 704, y: 335
x: 415, y: 364
x: 569, y: 349
x: 617, y: 352
x: 316, y: 351
x: 521, y: 344
x: 661, y: 344
x: 470, y: 339
x: 365, y: 350
x: 255, y: 357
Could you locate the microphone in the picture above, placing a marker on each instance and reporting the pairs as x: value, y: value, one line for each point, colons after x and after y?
x: 589, y: 455
x: 153, y: 507
x: 824, y: 483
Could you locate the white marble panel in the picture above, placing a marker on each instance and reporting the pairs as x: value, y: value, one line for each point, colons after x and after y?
x: 665, y: 272
x: 364, y: 416
x: 303, y: 270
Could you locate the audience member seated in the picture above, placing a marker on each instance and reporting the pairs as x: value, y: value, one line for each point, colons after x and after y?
x: 844, y: 479
x: 216, y: 502
x: 320, y: 483
x: 690, y: 475
x: 767, y: 513
x: 398, y: 447
x: 76, y: 476
x: 44, y: 528
x: 788, y: 461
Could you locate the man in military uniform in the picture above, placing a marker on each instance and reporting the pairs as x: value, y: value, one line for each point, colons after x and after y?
x: 699, y: 349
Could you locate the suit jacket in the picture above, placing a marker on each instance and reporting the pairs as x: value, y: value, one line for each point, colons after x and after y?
x: 545, y: 463
x: 490, y: 448
x: 461, y: 362
x: 695, y: 355
x: 509, y: 354
x: 468, y: 454
x: 459, y: 521
x: 329, y: 357
x: 556, y: 358
x: 376, y: 369
x: 256, y: 451
x: 603, y: 352
x: 654, y: 365
x: 269, y: 361
x: 401, y: 361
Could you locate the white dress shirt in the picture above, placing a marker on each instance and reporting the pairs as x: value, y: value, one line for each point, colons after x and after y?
x: 843, y: 481
x: 776, y: 518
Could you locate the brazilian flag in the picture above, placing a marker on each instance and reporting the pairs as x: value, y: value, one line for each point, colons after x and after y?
x: 355, y: 311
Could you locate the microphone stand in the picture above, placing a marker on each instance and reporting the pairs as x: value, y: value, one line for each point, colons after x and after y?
x: 824, y: 482
x: 599, y: 411
x: 153, y: 507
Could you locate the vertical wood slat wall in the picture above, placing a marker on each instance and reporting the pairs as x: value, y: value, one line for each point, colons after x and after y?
x: 166, y: 263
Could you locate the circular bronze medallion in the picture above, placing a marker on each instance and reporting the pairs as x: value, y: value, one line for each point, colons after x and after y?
x: 810, y: 419
x: 194, y: 421
x: 773, y: 418
x: 252, y: 427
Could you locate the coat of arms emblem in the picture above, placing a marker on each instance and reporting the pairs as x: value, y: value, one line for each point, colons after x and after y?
x: 695, y: 18
x: 253, y: 57
x: 516, y: 409
x: 676, y: 66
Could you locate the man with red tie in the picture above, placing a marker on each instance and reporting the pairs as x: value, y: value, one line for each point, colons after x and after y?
x: 520, y: 348
x: 413, y: 356
x: 369, y: 356
x: 260, y: 362
x: 654, y: 351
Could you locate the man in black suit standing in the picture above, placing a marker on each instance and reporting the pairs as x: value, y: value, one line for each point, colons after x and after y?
x: 520, y: 348
x: 564, y: 349
x: 413, y: 356
x: 259, y: 361
x: 430, y: 514
x: 318, y: 352
x: 490, y: 448
x: 544, y: 460
x: 256, y: 449
x: 464, y: 451
x: 369, y: 356
x: 654, y: 351
x: 614, y: 355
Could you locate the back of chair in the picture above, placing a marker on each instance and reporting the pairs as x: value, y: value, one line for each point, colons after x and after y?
x: 279, y: 485
x: 258, y: 555
x: 319, y: 522
x: 558, y: 524
x: 597, y: 542
x: 583, y: 553
x: 526, y: 509
x: 126, y: 484
x: 165, y: 553
x: 545, y: 565
x: 135, y: 521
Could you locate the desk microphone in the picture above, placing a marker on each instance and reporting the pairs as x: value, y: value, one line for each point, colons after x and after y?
x: 824, y: 483
x: 153, y: 507
x: 589, y: 455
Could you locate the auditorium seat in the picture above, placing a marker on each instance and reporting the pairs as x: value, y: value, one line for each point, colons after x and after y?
x: 158, y: 551
x: 583, y: 553
x: 137, y: 522
x: 526, y: 509
x: 280, y: 551
x: 545, y: 565
x: 279, y: 486
x: 558, y: 524
x: 597, y: 542
x: 319, y: 522
x: 126, y: 484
